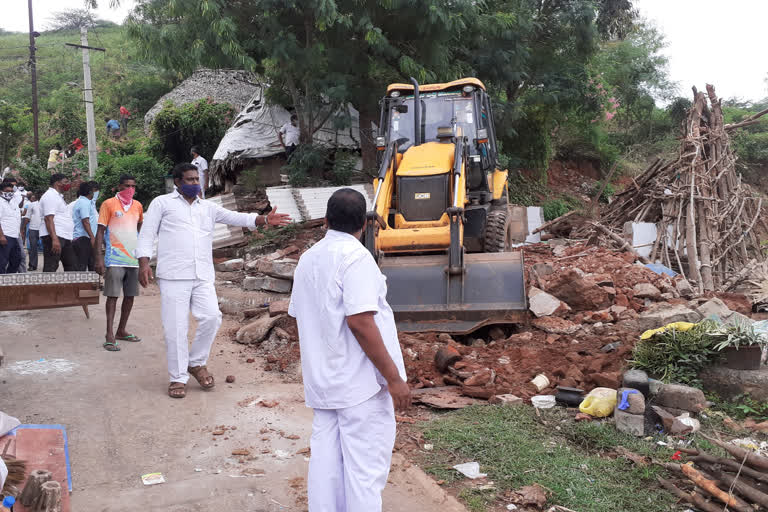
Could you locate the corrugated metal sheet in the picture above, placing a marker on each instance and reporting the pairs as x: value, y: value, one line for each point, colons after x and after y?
x: 316, y: 199
x: 282, y: 198
x: 223, y: 235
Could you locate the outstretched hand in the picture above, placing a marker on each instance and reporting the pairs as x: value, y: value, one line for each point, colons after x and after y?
x: 277, y: 219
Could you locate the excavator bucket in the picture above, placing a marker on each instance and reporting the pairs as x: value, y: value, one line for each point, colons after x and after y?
x: 425, y: 297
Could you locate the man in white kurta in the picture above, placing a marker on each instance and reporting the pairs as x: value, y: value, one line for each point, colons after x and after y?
x: 352, y: 366
x: 183, y: 226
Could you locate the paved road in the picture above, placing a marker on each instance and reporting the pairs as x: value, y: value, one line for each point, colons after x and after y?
x: 121, y: 424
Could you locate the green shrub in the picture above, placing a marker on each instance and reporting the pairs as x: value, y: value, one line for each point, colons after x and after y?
x: 526, y: 191
x: 34, y: 173
x: 149, y: 174
x: 608, y: 192
x: 307, y: 160
x: 343, y: 168
x: 676, y: 356
x: 555, y: 208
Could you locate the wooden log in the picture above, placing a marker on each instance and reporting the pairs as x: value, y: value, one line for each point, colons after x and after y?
x: 745, y: 490
x: 552, y: 222
x: 752, y: 459
x: 710, y: 487
x: 623, y: 245
x: 50, y: 500
x: 729, y: 464
x: 692, y: 498
x: 33, y: 488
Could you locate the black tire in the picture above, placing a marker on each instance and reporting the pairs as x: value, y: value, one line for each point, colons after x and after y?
x: 498, y: 234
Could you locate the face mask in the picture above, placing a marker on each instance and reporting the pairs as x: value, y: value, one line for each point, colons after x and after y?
x: 190, y: 190
x: 126, y: 195
x: 15, y: 188
x: 66, y: 187
x: 96, y: 195
x: 6, y: 195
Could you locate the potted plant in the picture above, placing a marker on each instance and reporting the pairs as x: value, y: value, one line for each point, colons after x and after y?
x: 740, y: 346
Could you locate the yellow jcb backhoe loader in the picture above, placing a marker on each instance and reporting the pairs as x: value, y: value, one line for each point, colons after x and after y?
x: 440, y: 228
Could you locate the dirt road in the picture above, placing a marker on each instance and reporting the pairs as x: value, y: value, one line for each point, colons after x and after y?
x: 121, y: 424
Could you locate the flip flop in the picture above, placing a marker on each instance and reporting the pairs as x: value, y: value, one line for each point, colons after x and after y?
x: 111, y: 346
x: 130, y: 337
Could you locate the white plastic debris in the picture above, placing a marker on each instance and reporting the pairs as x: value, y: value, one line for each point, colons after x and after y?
x: 690, y: 422
x: 511, y: 506
x: 470, y: 470
x: 282, y: 454
x: 543, y: 401
x: 753, y: 445
x: 428, y: 447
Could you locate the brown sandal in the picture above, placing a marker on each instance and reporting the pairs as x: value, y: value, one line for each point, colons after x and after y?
x: 201, y: 375
x: 177, y: 390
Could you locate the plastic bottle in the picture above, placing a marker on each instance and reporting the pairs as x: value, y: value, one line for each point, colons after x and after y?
x: 8, y: 503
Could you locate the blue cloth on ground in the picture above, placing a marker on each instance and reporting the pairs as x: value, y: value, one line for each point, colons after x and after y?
x: 624, y: 404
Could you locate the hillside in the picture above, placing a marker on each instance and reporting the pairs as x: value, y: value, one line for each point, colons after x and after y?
x: 120, y: 77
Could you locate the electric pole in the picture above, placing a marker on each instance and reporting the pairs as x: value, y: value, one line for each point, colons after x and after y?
x: 33, y: 69
x: 93, y: 150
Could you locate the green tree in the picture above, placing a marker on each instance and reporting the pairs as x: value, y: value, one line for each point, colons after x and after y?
x: 14, y: 124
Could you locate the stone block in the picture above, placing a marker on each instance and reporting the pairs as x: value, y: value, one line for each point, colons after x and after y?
x: 266, y: 283
x: 505, y: 400
x: 714, y: 307
x: 579, y: 292
x: 646, y: 291
x: 635, y: 400
x: 684, y: 288
x: 231, y: 265
x: 633, y: 424
x: 279, y: 307
x: 678, y: 396
x: 543, y: 269
x: 543, y: 304
x: 663, y: 313
x: 256, y: 331
x: 555, y: 325
x: 281, y: 269
x: 636, y: 379
x: 732, y: 383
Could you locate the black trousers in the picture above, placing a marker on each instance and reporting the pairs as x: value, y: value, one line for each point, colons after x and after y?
x: 67, y: 255
x: 34, y: 236
x: 10, y: 256
x: 84, y: 253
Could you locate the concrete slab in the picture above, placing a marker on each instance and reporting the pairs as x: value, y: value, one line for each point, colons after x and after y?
x: 121, y: 424
x: 732, y: 383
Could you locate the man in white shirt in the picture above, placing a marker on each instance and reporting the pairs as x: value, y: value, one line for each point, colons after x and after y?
x: 10, y: 229
x: 57, y: 227
x: 32, y: 219
x: 202, y: 168
x: 289, y: 136
x: 352, y: 366
x: 183, y: 225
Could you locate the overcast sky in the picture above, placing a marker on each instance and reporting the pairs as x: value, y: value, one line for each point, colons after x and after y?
x: 715, y: 41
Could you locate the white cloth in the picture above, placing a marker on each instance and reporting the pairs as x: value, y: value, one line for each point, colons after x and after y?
x: 177, y: 299
x: 185, y: 235
x: 335, y: 279
x: 33, y: 214
x: 202, y: 169
x: 290, y: 134
x: 351, y: 456
x: 10, y: 218
x: 52, y: 203
x: 3, y: 473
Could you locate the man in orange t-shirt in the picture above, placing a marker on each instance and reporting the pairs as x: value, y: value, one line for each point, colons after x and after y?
x: 120, y: 218
x: 124, y: 117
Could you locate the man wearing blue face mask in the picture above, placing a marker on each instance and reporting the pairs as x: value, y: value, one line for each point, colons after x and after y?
x: 86, y: 219
x: 183, y: 225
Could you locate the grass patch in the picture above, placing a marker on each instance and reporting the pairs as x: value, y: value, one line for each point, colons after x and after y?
x: 275, y: 236
x: 517, y: 450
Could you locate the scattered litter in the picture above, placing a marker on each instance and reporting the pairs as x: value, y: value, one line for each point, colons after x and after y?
x: 600, y: 402
x: 751, y: 444
x: 230, y: 379
x: 153, y: 479
x: 198, y: 470
x: 543, y: 401
x: 661, y: 269
x: 690, y: 422
x: 624, y: 404
x: 470, y: 470
x: 269, y: 403
x: 429, y: 447
x: 530, y: 495
x: 282, y: 454
x: 241, y: 451
x: 511, y: 506
x: 540, y: 381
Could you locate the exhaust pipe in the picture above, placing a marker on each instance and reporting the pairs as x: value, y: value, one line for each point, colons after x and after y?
x: 416, y: 113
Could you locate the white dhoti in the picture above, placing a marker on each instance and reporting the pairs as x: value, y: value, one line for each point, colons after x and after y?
x: 179, y: 298
x: 351, y: 456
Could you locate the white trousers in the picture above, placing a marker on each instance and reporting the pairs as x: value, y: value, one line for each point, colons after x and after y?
x: 179, y: 298
x: 351, y: 455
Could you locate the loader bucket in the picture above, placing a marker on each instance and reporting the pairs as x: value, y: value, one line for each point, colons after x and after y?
x: 424, y: 297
